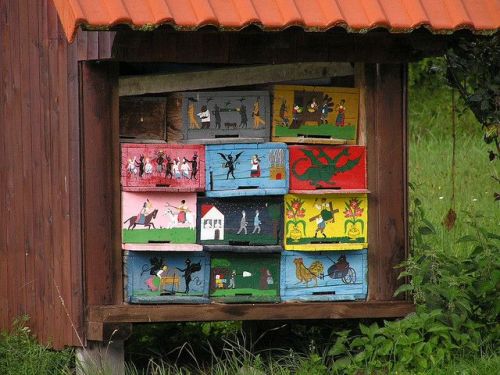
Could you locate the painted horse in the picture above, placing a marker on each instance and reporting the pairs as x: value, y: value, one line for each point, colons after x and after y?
x: 147, y: 220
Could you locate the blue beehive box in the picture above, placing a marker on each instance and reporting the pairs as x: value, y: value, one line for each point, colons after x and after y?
x: 246, y: 169
x: 324, y: 276
x: 155, y: 277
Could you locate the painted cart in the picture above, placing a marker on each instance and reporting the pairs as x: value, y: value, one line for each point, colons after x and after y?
x: 246, y: 169
x: 324, y: 276
x: 153, y: 277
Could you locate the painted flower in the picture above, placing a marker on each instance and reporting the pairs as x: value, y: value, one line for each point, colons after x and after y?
x: 290, y: 214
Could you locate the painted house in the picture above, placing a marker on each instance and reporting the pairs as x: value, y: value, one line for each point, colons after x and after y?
x: 212, y: 223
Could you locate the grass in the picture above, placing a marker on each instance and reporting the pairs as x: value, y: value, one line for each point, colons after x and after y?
x: 173, y: 235
x: 344, y: 132
x: 252, y: 239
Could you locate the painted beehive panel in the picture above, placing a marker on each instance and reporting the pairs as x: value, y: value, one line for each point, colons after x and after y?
x: 209, y: 116
x: 245, y: 277
x: 314, y: 114
x: 326, y: 222
x: 143, y: 118
x: 162, y: 167
x: 250, y: 222
x: 324, y: 276
x: 156, y: 217
x: 327, y: 167
x: 166, y: 277
x: 246, y: 169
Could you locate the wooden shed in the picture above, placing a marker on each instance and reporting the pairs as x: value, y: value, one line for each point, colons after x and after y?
x: 64, y: 66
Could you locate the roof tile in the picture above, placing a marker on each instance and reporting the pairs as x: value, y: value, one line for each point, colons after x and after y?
x: 312, y: 15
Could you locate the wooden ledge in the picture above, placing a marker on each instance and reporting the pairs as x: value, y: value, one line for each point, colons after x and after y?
x: 273, y: 311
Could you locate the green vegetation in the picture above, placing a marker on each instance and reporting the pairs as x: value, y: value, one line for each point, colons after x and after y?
x: 254, y: 239
x: 173, y: 235
x: 20, y: 354
x: 344, y: 132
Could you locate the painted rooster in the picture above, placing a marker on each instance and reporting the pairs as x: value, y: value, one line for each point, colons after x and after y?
x: 306, y: 274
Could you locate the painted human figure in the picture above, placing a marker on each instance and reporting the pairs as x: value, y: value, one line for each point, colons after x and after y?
x: 176, y: 168
x: 324, y: 112
x: 185, y: 168
x: 232, y: 280
x: 323, y: 217
x: 266, y: 279
x: 146, y: 209
x: 216, y: 113
x: 194, y: 166
x: 257, y: 120
x: 243, y: 116
x: 148, y: 167
x: 284, y: 114
x: 243, y: 223
x: 340, y: 120
x: 131, y: 166
x: 341, y: 265
x: 312, y: 106
x: 160, y: 159
x: 169, y: 168
x: 256, y: 222
x: 204, y: 116
x: 255, y: 166
x: 140, y: 164
x: 183, y: 210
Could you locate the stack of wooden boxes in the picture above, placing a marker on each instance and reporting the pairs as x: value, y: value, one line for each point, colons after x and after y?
x: 325, y: 216
x: 220, y: 213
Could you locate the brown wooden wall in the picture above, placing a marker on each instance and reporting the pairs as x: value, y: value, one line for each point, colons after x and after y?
x: 40, y: 234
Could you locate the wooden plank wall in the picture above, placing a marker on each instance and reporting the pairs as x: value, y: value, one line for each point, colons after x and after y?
x: 40, y: 233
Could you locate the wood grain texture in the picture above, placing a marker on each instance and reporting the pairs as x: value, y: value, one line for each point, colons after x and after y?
x: 387, y: 176
x: 256, y: 311
x: 100, y: 154
x: 213, y: 78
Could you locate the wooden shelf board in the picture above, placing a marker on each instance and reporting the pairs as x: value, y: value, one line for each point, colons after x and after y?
x: 112, y: 314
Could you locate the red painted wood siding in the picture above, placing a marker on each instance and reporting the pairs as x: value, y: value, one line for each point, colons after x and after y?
x: 40, y: 234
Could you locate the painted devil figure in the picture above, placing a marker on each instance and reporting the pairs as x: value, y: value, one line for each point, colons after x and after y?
x: 188, y: 271
x: 230, y: 163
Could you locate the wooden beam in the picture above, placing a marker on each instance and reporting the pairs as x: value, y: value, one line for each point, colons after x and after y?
x: 112, y: 314
x: 263, y: 74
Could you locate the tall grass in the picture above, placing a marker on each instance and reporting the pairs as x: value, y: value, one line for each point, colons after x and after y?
x: 20, y: 354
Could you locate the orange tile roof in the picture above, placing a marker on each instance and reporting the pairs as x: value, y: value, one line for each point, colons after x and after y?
x: 440, y: 16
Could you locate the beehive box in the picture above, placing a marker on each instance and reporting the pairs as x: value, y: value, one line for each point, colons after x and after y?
x: 326, y: 222
x: 241, y: 224
x: 314, y: 114
x: 244, y: 277
x: 324, y: 276
x: 168, y: 219
x: 143, y: 118
x: 246, y: 169
x: 215, y: 116
x: 164, y: 277
x: 317, y: 168
x: 162, y: 167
